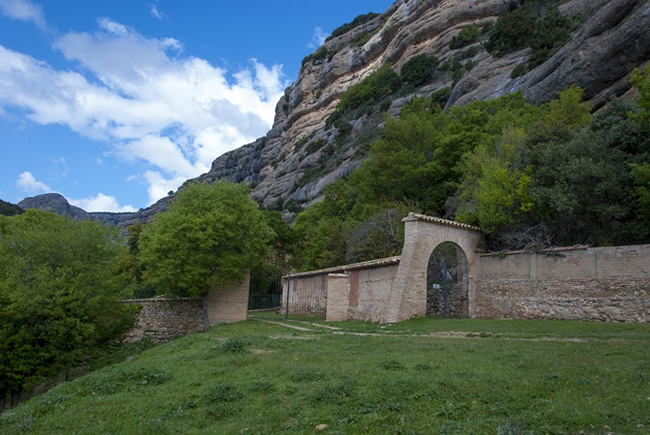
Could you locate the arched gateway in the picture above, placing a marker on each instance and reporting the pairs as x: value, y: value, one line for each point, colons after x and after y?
x: 408, y: 297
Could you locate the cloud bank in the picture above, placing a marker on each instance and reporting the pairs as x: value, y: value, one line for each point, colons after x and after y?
x: 23, y: 10
x: 169, y: 113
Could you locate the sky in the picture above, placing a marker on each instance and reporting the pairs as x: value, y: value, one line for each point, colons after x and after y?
x: 115, y: 103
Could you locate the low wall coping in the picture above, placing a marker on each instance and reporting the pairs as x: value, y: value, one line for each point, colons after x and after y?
x: 540, y: 251
x: 159, y: 299
x: 382, y: 262
x: 439, y: 221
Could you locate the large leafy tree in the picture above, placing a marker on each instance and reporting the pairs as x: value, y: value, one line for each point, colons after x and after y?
x: 60, y: 296
x: 209, y: 236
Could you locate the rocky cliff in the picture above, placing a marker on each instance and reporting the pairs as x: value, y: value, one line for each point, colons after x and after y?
x: 612, y: 40
x: 302, y: 153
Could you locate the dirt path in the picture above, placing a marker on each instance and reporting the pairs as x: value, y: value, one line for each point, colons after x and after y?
x: 447, y: 334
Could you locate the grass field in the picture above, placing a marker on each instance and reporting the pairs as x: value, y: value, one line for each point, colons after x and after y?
x: 425, y: 376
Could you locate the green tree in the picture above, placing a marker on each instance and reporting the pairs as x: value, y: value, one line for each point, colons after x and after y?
x: 496, y: 186
x: 209, y: 236
x: 641, y: 174
x: 641, y: 81
x: 324, y: 229
x: 132, y: 267
x: 60, y: 296
x: 568, y: 110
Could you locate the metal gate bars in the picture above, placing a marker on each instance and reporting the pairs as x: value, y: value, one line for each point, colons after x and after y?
x: 272, y: 297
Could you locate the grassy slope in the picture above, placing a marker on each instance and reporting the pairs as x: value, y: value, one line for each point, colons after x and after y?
x: 267, y: 379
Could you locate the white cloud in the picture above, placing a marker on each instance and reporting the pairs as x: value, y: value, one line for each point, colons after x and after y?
x: 159, y: 186
x: 112, y: 26
x: 101, y: 202
x: 163, y: 153
x: 176, y: 113
x: 156, y: 13
x: 23, y: 10
x: 63, y: 168
x: 28, y: 183
x: 318, y: 38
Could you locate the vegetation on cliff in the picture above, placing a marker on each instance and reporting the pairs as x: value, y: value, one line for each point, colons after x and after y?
x: 9, y: 209
x: 537, y: 24
x: 531, y: 176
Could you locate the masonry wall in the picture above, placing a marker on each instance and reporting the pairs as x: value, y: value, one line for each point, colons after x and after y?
x: 162, y: 319
x: 370, y: 292
x: 607, y: 284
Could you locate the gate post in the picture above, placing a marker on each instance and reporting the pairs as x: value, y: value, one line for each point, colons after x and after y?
x: 228, y: 304
x: 338, y: 289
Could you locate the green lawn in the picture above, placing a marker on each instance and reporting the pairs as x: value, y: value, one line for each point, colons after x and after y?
x: 425, y: 376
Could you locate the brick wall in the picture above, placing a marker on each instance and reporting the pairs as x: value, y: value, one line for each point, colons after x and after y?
x: 370, y: 292
x: 607, y: 284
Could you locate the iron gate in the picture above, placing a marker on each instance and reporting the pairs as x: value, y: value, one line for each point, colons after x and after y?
x: 291, y: 297
x: 447, y: 282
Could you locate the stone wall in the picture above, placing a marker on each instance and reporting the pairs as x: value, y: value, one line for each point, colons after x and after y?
x: 607, y: 284
x: 162, y: 319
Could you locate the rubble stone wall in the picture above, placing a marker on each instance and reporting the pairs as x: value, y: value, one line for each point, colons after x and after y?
x: 607, y: 284
x: 163, y: 319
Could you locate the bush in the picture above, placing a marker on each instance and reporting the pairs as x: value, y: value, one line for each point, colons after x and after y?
x: 537, y: 24
x: 519, y: 71
x: 419, y: 69
x: 222, y: 393
x: 235, y: 345
x: 371, y: 90
x: 359, y: 20
x: 467, y: 36
x: 321, y: 54
x: 315, y: 146
x: 441, y: 96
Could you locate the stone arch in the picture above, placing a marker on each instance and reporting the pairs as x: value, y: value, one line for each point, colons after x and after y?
x: 422, y: 235
x: 447, y: 281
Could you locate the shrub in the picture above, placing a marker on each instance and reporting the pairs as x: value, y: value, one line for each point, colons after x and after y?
x: 222, y: 393
x: 371, y: 90
x: 359, y: 20
x: 537, y: 24
x: 235, y: 345
x: 467, y: 36
x: 321, y: 54
x: 419, y: 69
x: 519, y: 71
x: 441, y: 96
x: 315, y: 146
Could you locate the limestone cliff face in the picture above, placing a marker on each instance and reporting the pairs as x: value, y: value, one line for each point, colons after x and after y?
x: 300, y: 156
x: 612, y: 41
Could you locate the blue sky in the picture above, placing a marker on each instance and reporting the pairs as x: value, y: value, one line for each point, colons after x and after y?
x: 115, y: 103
